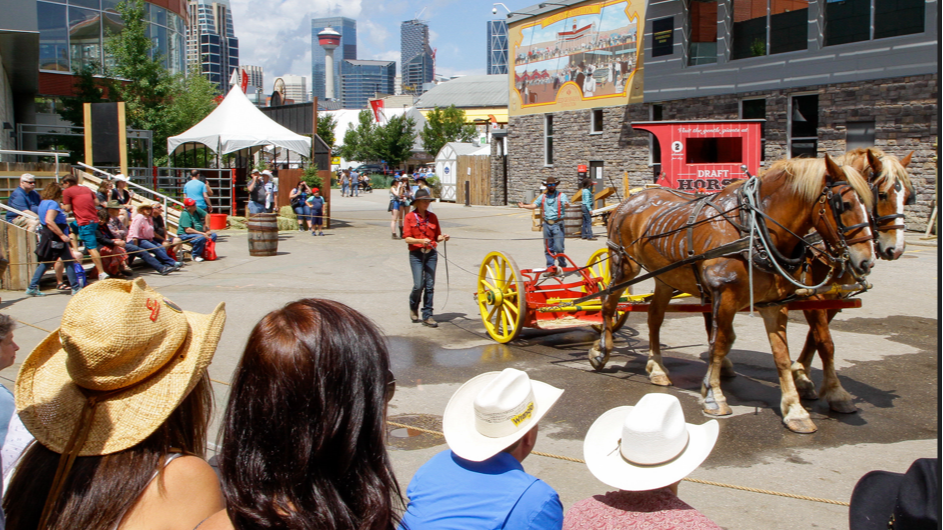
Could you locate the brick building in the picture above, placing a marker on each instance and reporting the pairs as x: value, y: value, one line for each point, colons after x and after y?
x: 826, y: 77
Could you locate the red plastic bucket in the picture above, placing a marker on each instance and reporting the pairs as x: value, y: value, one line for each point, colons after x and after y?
x: 218, y: 221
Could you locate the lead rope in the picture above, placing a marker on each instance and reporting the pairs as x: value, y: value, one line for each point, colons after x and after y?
x: 448, y: 283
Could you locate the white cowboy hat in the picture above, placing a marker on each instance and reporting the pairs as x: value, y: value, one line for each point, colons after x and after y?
x: 267, y: 172
x: 121, y: 176
x: 648, y: 446
x: 493, y: 410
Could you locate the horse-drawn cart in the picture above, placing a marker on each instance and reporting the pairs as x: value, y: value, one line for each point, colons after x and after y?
x: 511, y: 298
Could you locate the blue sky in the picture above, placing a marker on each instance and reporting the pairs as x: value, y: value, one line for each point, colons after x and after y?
x: 276, y: 34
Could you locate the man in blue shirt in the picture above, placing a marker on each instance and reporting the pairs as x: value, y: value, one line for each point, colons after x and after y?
x: 25, y: 199
x: 198, y: 191
x: 586, y: 204
x: 490, y: 425
x: 553, y: 203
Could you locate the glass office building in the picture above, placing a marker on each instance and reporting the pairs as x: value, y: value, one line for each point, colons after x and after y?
x: 416, y: 57
x: 72, y: 33
x: 362, y: 80
x: 347, y: 27
x: 212, y: 45
x: 497, y: 47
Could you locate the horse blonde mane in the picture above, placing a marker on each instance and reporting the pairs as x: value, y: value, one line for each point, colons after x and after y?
x: 804, y: 177
x: 893, y: 170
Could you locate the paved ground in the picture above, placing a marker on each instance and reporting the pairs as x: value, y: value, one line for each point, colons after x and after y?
x: 887, y: 359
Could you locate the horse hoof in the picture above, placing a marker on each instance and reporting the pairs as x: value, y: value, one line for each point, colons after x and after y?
x: 801, y: 426
x: 806, y: 391
x: 717, y: 409
x: 659, y: 379
x: 598, y: 362
x: 843, y: 407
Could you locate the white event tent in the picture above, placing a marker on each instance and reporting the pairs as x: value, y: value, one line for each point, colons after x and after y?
x: 237, y: 124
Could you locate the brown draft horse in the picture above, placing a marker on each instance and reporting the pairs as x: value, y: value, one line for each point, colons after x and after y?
x: 891, y: 189
x: 656, y: 228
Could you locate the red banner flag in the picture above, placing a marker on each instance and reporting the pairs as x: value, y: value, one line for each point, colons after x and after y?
x: 245, y: 81
x: 376, y: 105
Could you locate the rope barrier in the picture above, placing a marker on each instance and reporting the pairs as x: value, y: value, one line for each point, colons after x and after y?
x: 581, y: 461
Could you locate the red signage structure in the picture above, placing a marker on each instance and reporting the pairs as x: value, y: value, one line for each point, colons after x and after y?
x: 705, y: 156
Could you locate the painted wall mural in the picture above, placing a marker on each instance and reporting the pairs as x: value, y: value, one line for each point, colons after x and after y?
x: 581, y: 57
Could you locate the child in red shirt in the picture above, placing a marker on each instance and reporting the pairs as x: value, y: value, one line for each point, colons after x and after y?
x: 422, y: 233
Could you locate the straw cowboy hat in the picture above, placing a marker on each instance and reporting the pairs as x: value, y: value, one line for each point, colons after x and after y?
x: 423, y: 195
x: 493, y: 410
x: 113, y: 205
x: 145, y: 206
x: 122, y: 360
x: 648, y: 446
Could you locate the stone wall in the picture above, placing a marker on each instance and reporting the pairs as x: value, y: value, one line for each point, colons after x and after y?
x: 905, y: 112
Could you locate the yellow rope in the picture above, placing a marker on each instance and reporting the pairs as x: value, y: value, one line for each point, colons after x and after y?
x: 581, y: 461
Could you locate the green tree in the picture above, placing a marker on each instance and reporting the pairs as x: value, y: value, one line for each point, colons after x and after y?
x: 359, y: 142
x: 327, y: 125
x: 444, y: 126
x: 394, y: 141
x: 155, y: 99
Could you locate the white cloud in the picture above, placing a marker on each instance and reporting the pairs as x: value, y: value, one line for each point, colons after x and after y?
x: 277, y: 36
x: 372, y: 32
x: 388, y: 55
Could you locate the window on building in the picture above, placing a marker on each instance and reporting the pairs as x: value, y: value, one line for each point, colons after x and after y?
x: 749, y: 28
x: 714, y: 150
x: 859, y: 134
x: 847, y: 21
x: 84, y: 37
x: 898, y: 17
x: 548, y: 140
x: 755, y: 109
x: 596, y: 122
x: 803, y: 126
x: 765, y: 27
x: 702, y: 46
x: 53, y: 37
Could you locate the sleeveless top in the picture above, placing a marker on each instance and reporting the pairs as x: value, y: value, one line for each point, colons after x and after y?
x: 167, y: 460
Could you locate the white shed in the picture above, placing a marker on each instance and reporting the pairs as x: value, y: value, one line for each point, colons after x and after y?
x: 446, y: 165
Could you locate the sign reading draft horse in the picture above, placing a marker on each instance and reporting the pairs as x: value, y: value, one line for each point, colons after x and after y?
x: 581, y: 57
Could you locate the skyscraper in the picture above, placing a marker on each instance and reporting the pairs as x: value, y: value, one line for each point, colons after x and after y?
x: 211, y: 43
x: 362, y: 80
x: 416, y: 57
x: 296, y: 88
x: 256, y: 76
x: 347, y: 27
x: 497, y: 47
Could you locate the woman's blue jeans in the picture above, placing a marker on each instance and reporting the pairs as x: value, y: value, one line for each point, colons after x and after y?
x: 587, y: 228
x: 41, y: 268
x: 423, y: 267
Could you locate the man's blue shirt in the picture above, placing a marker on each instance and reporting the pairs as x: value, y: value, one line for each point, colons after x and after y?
x: 554, y: 204
x: 23, y: 202
x: 449, y: 492
x: 195, y: 190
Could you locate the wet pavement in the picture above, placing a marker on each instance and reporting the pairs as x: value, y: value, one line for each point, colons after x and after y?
x: 887, y: 358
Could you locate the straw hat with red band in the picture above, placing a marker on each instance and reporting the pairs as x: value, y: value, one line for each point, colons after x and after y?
x: 122, y: 360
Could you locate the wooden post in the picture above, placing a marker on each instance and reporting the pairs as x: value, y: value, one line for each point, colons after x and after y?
x: 122, y: 140
x: 625, y: 184
x: 87, y: 116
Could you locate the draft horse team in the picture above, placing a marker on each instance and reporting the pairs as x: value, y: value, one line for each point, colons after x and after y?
x: 804, y: 223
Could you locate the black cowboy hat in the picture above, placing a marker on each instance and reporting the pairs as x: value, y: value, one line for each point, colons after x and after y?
x: 422, y: 195
x: 551, y: 180
x: 884, y: 500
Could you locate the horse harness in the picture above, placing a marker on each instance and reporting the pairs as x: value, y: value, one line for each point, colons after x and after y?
x: 876, y: 219
x: 765, y: 256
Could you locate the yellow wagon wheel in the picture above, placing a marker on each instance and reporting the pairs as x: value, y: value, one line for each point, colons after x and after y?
x: 598, y: 267
x: 501, y: 297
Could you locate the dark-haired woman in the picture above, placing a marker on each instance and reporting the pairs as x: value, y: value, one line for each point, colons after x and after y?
x: 303, y: 434
x: 121, y: 431
x: 54, y: 241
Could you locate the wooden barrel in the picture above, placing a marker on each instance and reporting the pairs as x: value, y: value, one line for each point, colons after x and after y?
x: 572, y: 220
x: 263, y: 234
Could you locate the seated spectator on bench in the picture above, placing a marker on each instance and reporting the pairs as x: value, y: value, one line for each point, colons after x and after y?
x: 141, y: 234
x: 104, y: 193
x: 192, y: 228
x: 644, y: 451
x: 172, y: 244
x: 26, y: 199
x: 117, y: 230
x: 111, y: 248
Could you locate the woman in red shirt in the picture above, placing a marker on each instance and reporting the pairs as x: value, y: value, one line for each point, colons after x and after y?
x: 422, y: 233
